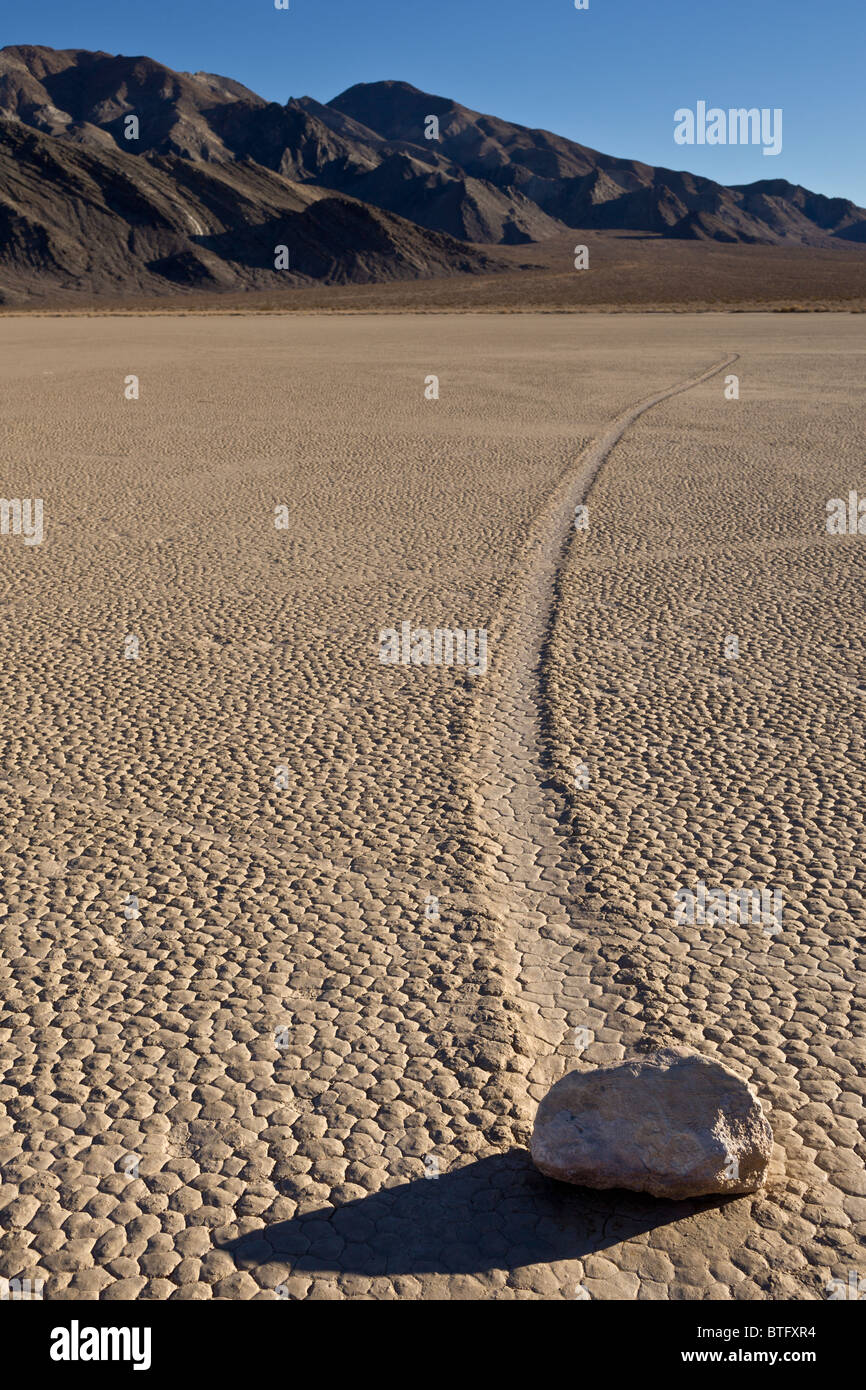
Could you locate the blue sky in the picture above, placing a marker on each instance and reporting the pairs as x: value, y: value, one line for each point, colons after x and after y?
x: 611, y: 76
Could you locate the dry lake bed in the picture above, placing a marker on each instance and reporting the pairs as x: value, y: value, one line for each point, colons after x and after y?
x: 398, y: 712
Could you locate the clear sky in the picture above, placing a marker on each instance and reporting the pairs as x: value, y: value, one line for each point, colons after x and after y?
x: 611, y: 76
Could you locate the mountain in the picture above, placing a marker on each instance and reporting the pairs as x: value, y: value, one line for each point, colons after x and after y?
x: 579, y: 187
x: 80, y: 212
x: 215, y: 178
x: 78, y: 218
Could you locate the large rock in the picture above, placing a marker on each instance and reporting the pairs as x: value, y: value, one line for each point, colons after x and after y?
x: 673, y: 1123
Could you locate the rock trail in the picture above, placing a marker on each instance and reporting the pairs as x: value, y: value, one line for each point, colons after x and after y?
x: 521, y: 807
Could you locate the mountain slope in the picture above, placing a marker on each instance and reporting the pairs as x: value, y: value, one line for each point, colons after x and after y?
x: 105, y: 222
x: 580, y: 187
x: 208, y: 178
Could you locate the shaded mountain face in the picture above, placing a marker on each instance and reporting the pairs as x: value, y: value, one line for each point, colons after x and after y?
x: 209, y: 178
x: 579, y: 187
x: 187, y: 205
x: 97, y: 220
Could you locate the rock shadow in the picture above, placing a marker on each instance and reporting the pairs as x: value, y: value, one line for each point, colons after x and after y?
x: 496, y: 1213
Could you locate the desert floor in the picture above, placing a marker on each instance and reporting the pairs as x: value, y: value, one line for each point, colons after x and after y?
x: 244, y: 1056
x: 629, y: 271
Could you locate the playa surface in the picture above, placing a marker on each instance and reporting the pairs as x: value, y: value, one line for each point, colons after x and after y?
x: 294, y: 940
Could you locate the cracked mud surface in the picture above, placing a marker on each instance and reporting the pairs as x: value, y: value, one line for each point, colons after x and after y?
x: 244, y: 1090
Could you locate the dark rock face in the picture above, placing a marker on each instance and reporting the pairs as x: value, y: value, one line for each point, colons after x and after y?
x: 80, y: 218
